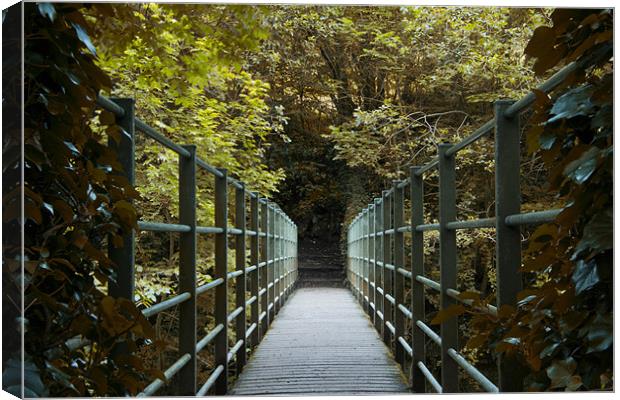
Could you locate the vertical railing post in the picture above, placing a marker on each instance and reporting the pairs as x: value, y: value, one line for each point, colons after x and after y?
x: 187, y: 271
x: 378, y: 273
x: 264, y: 275
x: 123, y: 258
x: 388, y: 290
x: 508, y: 239
x: 447, y: 263
x: 254, y: 260
x: 399, y: 262
x: 371, y: 261
x: 240, y: 283
x: 271, y: 264
x: 417, y: 288
x: 365, y: 256
x: 221, y: 271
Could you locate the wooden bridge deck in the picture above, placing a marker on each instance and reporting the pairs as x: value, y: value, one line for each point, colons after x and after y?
x: 320, y: 343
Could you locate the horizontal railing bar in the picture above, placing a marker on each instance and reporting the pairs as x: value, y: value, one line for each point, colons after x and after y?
x: 250, y: 330
x: 390, y: 298
x: 269, y: 285
x: 372, y: 305
x: 428, y: 166
x: 473, y: 372
x: 262, y: 315
x: 250, y: 233
x: 235, y: 182
x: 209, y: 168
x: 402, y: 229
x: 389, y: 232
x: 234, y: 350
x: 208, y: 337
x: 427, y: 227
x: 546, y: 87
x: 250, y: 268
x: 212, y: 379
x: 262, y: 292
x: 403, y: 184
x: 404, y: 272
x: 406, y: 346
x: 532, y: 218
x: 108, y: 104
x: 478, y: 133
x: 472, y: 224
x: 209, y: 229
x: 162, y: 227
x: 429, y: 377
x: 235, y: 231
x: 169, y: 373
x: 455, y: 295
x: 153, y: 134
x: 270, y: 306
x: 234, y: 274
x: 380, y: 290
x: 231, y: 317
x: 429, y: 332
x: 210, y: 285
x: 380, y: 314
x: 428, y: 282
x: 166, y: 304
x: 250, y: 301
x: 405, y: 311
x: 389, y: 325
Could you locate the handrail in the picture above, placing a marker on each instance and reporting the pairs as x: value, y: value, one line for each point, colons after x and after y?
x: 272, y: 250
x: 375, y: 247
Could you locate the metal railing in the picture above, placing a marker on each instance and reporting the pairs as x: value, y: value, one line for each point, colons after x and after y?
x: 376, y: 266
x: 268, y: 280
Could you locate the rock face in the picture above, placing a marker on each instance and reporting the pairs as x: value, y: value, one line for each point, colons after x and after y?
x: 320, y: 264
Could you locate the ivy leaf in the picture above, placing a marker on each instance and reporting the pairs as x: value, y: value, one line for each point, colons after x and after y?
x: 560, y: 372
x: 47, y: 10
x: 452, y: 310
x: 573, y: 103
x: 84, y: 38
x: 585, y: 276
x: 581, y: 169
x: 598, y: 235
x: 600, y: 333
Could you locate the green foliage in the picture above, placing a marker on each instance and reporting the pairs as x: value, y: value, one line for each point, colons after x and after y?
x: 185, y: 66
x: 74, y: 200
x: 562, y: 327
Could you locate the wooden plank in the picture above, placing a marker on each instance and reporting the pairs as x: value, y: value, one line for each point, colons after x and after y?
x: 321, y: 343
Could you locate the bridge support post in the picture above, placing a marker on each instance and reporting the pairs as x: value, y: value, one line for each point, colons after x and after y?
x: 508, y: 243
x: 377, y: 273
x: 370, y: 265
x: 221, y: 271
x: 240, y: 288
x: 447, y: 262
x: 254, y: 260
x: 123, y: 257
x: 264, y: 276
x: 187, y: 271
x: 271, y: 265
x: 388, y: 290
x: 418, y: 380
x: 365, y: 256
x: 399, y: 262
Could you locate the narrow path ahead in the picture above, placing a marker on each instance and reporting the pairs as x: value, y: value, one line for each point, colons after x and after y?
x: 320, y: 343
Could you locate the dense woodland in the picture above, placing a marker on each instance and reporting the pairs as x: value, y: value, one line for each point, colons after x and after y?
x: 320, y: 108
